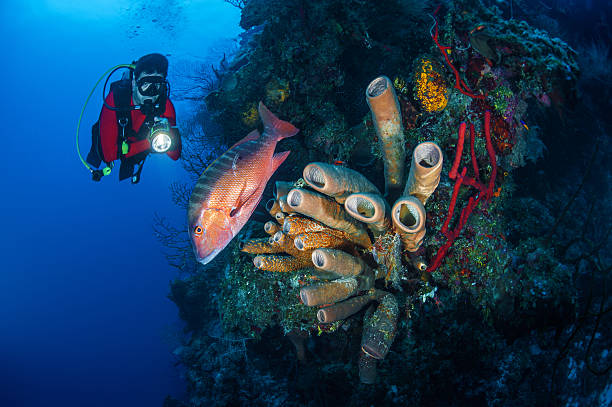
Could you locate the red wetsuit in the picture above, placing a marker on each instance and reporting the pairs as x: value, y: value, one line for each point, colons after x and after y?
x: 109, y: 131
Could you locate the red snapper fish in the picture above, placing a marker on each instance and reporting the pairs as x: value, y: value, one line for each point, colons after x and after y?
x: 230, y: 189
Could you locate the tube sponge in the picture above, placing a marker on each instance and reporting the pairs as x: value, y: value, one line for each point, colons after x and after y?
x: 408, y: 215
x: 271, y: 228
x: 379, y: 328
x: 339, y: 262
x: 296, y: 225
x: 328, y: 212
x: 425, y: 171
x: 386, y: 114
x: 345, y: 309
x: 273, y: 207
x: 329, y: 292
x: 282, y: 188
x: 280, y: 263
x: 308, y: 241
x: 371, y: 209
x: 337, y: 182
x: 257, y: 246
x: 367, y: 368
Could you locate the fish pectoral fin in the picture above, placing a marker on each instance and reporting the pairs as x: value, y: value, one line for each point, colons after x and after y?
x: 253, y: 201
x: 278, y: 159
x: 250, y: 203
x: 254, y: 135
x: 243, y: 199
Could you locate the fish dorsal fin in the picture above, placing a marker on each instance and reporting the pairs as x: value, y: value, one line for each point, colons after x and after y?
x: 254, y: 135
x: 278, y: 159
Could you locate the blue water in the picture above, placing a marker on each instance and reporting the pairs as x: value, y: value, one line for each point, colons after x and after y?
x: 84, y: 316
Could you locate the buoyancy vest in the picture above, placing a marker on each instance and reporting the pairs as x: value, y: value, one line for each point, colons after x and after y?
x: 122, y: 100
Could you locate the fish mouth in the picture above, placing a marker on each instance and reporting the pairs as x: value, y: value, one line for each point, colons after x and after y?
x: 211, y: 244
x: 208, y: 259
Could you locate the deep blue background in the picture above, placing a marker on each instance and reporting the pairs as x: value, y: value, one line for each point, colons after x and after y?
x: 84, y: 318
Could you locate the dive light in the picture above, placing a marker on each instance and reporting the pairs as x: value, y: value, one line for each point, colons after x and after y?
x: 160, y: 136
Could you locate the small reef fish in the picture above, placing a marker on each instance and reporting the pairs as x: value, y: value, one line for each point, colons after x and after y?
x: 480, y: 27
x: 524, y: 125
x: 230, y: 189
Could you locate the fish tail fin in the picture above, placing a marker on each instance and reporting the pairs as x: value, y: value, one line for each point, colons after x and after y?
x: 277, y: 128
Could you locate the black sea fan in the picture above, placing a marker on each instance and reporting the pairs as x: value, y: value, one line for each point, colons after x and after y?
x: 595, y: 62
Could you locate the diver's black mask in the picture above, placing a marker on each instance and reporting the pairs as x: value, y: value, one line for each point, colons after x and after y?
x: 152, y: 85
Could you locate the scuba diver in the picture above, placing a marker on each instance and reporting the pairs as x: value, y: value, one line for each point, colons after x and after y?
x: 137, y: 119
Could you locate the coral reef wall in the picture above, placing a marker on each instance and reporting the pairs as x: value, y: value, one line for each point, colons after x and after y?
x: 503, y: 300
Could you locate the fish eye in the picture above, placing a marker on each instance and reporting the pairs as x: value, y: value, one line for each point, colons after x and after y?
x: 233, y: 212
x: 198, y: 230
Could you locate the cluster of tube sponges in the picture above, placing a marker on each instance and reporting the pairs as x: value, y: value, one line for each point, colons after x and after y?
x: 329, y: 224
x: 408, y: 213
x: 313, y: 229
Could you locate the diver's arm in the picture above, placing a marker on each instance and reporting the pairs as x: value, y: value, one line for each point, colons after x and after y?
x: 175, y: 153
x: 170, y: 114
x: 139, y: 146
